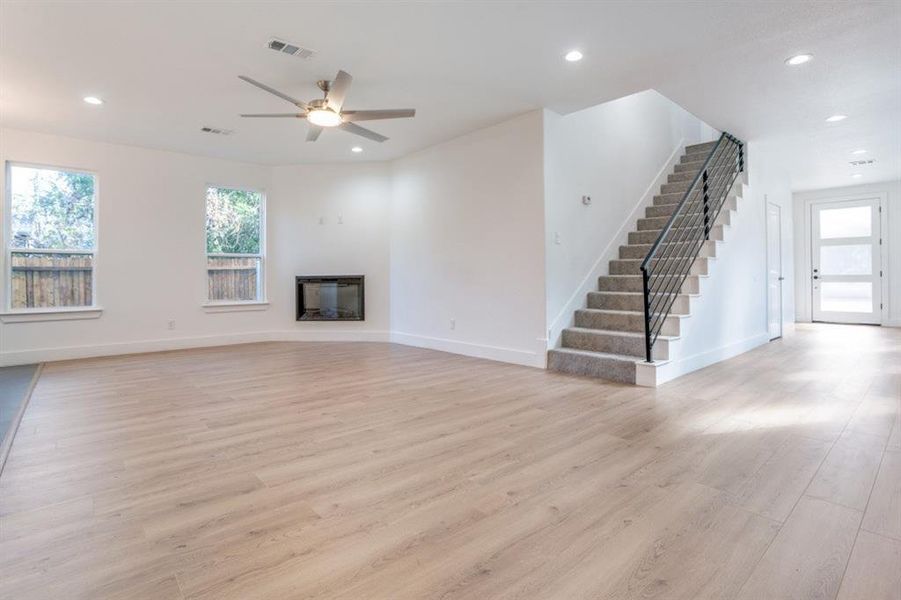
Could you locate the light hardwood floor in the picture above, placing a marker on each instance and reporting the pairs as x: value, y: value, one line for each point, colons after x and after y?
x: 373, y: 471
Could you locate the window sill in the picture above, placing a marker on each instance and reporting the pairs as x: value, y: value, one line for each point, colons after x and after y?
x: 224, y: 307
x: 51, y: 314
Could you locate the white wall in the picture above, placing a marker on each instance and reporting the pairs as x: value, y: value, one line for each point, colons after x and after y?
x: 467, y: 244
x: 353, y: 204
x: 461, y: 232
x: 618, y: 153
x: 151, y: 266
x: 891, y: 238
x: 730, y: 314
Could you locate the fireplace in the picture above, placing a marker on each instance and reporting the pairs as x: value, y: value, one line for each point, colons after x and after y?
x: 330, y: 298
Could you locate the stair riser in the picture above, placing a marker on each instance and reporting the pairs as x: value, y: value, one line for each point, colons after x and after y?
x: 681, y: 185
x: 613, y: 344
x: 649, y: 237
x: 658, y: 223
x: 677, y: 177
x: 665, y: 210
x: 691, y: 285
x: 622, y: 322
x: 708, y: 250
x: 609, y: 301
x: 667, y: 199
x: 686, y: 166
x: 686, y: 220
x: 703, y: 147
x: 592, y: 366
x: 675, y: 188
x: 631, y: 267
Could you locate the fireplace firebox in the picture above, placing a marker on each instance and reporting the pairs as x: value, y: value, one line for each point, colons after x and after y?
x: 330, y: 298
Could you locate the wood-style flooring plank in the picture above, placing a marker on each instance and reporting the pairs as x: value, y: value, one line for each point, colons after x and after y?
x: 874, y: 571
x: 808, y: 556
x: 377, y: 471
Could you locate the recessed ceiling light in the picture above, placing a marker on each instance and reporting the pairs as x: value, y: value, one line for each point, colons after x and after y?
x: 836, y: 118
x: 799, y: 59
x: 573, y: 56
x: 856, y: 175
x: 93, y: 100
x: 356, y: 149
x: 859, y: 152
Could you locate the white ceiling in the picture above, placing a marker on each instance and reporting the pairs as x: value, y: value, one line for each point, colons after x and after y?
x: 166, y: 69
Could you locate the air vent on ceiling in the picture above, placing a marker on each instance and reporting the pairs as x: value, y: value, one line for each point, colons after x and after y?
x: 217, y: 131
x: 861, y: 163
x: 291, y: 49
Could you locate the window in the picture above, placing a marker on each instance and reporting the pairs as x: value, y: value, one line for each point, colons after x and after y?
x: 51, y: 238
x: 234, y: 245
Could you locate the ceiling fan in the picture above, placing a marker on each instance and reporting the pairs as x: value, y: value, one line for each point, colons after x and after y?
x: 327, y: 111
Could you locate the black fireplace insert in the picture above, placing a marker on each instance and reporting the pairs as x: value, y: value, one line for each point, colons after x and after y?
x: 330, y: 298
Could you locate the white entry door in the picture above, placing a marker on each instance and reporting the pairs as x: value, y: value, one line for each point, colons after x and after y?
x: 846, y: 261
x: 774, y: 269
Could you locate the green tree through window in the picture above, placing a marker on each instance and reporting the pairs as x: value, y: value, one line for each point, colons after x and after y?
x: 233, y: 221
x: 51, y: 209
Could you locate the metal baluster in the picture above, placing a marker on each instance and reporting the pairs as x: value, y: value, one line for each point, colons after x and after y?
x: 706, y: 208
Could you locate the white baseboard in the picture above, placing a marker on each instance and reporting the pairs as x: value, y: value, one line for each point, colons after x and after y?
x: 579, y: 297
x: 507, y: 355
x: 39, y: 355
x: 333, y: 335
x: 682, y: 366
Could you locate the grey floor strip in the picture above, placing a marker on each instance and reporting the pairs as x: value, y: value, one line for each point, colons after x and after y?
x: 16, y: 385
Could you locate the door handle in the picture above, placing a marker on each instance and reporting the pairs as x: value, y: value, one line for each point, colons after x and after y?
x: 781, y: 278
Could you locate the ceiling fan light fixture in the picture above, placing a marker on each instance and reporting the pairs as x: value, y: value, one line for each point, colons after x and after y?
x: 324, y: 118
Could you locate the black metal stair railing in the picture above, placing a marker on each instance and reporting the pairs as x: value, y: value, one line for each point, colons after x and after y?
x: 670, y: 260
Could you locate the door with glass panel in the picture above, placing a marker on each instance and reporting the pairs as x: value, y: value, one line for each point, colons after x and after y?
x: 846, y: 261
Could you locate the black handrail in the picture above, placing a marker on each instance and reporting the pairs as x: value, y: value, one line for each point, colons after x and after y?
x: 672, y: 256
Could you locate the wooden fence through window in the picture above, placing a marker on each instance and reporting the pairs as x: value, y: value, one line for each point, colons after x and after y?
x: 60, y: 280
x: 46, y: 280
x: 230, y: 278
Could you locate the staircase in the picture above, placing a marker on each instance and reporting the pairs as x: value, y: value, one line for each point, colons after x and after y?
x: 611, y: 338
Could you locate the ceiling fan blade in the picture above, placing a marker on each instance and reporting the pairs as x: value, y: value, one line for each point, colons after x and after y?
x: 274, y: 91
x: 313, y: 132
x: 294, y: 115
x: 363, y: 132
x: 373, y: 115
x: 338, y: 90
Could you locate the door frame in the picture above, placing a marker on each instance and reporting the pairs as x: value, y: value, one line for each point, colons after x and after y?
x: 806, y: 286
x: 781, y: 274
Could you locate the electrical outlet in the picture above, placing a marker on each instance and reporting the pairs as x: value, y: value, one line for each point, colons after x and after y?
x: 171, y: 324
x: 322, y: 220
x: 340, y: 219
x: 453, y: 324
x: 557, y: 238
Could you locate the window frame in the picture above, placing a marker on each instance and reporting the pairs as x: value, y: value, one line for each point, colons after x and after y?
x: 10, y: 314
x: 261, y: 302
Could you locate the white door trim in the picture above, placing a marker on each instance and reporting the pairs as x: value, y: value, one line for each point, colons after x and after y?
x: 806, y: 299
x: 781, y: 282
